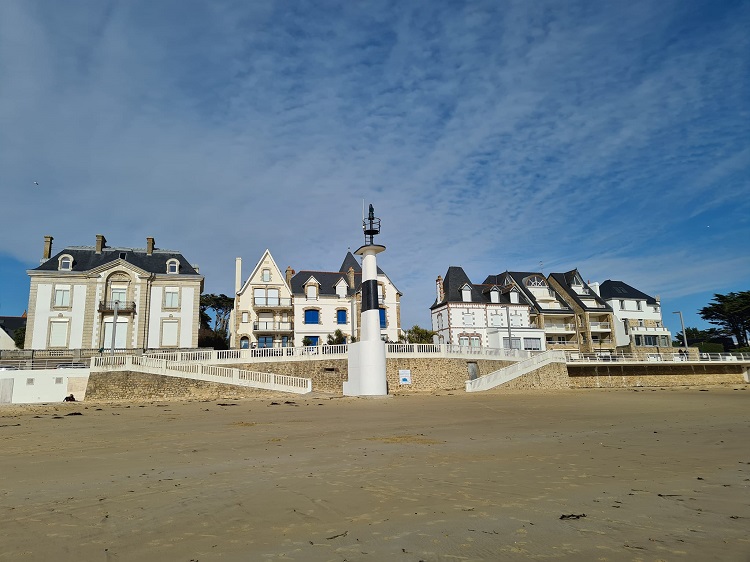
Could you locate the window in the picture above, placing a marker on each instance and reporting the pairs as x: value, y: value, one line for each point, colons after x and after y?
x: 244, y: 342
x: 62, y: 296
x: 171, y: 297
x: 383, y: 321
x: 532, y: 344
x: 638, y: 304
x: 273, y: 297
x: 496, y: 319
x: 259, y: 296
x: 440, y: 321
x: 341, y: 316
x: 284, y: 341
x: 650, y: 340
x: 173, y: 266
x: 622, y: 304
x: 466, y: 293
x: 535, y: 281
x: 65, y: 263
x: 515, y: 343
x: 119, y: 294
x: 463, y: 340
x: 341, y: 290
x: 265, y: 341
x: 494, y: 295
x: 244, y: 317
x: 313, y: 339
x: 312, y: 316
x: 475, y: 342
x: 514, y: 297
x: 468, y: 319
x: 58, y: 334
x: 168, y: 333
x: 380, y: 292
x: 311, y: 292
x: 266, y: 275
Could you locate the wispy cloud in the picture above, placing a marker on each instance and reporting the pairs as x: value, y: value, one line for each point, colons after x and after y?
x: 491, y: 136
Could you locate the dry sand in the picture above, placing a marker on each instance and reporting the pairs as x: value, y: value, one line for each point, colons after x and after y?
x: 659, y: 475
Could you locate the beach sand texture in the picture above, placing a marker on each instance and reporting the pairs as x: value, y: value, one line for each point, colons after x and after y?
x: 659, y: 475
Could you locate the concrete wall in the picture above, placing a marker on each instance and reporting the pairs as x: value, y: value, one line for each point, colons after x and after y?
x: 35, y: 386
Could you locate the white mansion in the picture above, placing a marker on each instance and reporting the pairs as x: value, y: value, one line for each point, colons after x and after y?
x: 76, y: 294
x: 275, y: 309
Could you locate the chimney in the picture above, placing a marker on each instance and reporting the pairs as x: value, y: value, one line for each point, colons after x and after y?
x: 237, y: 275
x: 439, y: 287
x: 101, y: 242
x: 47, y: 248
x: 289, y: 273
x: 350, y: 276
x: 149, y: 246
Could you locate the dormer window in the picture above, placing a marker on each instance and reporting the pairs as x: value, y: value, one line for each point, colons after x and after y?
x: 65, y: 263
x: 466, y: 293
x: 536, y: 281
x: 494, y: 296
x: 173, y: 266
x: 341, y: 290
x: 311, y: 291
x: 514, y: 297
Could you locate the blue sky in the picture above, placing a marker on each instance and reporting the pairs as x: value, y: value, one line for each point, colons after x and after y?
x: 608, y: 136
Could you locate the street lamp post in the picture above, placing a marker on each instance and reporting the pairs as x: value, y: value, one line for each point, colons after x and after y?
x: 684, y: 333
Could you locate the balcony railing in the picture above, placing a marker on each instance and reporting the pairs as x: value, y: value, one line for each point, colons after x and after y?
x: 600, y: 326
x: 272, y: 301
x: 122, y: 307
x: 273, y: 326
x: 559, y: 327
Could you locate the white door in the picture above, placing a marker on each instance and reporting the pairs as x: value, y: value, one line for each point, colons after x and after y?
x: 121, y: 334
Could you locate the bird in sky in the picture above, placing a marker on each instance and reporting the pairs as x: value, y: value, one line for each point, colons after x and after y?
x: 36, y: 183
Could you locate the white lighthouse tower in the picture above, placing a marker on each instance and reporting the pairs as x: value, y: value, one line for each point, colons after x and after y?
x: 367, y: 356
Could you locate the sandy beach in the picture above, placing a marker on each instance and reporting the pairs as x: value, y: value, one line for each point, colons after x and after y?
x: 643, y: 474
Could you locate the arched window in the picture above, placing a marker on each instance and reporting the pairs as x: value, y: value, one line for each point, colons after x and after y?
x: 535, y: 281
x: 173, y: 266
x: 65, y: 263
x: 244, y: 342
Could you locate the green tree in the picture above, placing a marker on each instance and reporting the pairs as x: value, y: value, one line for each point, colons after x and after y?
x: 306, y: 341
x: 221, y: 306
x: 415, y: 334
x: 696, y: 336
x: 19, y: 337
x: 336, y: 338
x: 732, y: 313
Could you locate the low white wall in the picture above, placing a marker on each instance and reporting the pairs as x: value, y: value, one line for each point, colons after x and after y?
x: 49, y: 385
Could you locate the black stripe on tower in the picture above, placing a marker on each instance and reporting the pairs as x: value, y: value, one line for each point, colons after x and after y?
x: 369, y: 295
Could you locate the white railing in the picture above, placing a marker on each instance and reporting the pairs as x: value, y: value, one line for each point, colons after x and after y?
x: 273, y: 326
x: 599, y: 325
x: 559, y: 328
x: 674, y: 357
x: 199, y: 371
x: 506, y: 374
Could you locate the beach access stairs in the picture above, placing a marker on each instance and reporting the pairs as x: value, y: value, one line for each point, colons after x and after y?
x: 523, y: 367
x: 202, y: 372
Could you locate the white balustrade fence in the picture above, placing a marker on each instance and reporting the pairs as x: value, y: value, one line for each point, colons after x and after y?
x: 506, y: 374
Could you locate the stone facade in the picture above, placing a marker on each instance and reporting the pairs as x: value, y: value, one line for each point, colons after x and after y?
x: 653, y: 374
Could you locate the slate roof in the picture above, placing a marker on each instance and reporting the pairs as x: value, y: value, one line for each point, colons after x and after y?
x: 329, y: 279
x: 85, y: 258
x: 566, y: 279
x: 619, y: 290
x: 10, y: 324
x: 518, y: 277
x: 455, y: 279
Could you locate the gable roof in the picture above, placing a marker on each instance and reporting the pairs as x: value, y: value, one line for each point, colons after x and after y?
x: 566, y: 281
x: 610, y: 290
x: 518, y: 278
x: 85, y: 259
x: 329, y: 279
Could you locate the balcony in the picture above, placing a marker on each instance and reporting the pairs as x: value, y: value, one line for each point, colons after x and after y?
x: 273, y: 327
x: 271, y: 302
x: 559, y: 327
x: 600, y: 327
x: 108, y: 307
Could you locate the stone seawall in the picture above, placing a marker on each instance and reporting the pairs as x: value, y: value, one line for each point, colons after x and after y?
x: 118, y: 386
x: 653, y: 374
x: 427, y: 374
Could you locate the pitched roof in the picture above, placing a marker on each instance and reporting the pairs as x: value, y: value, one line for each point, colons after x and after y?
x: 519, y: 277
x: 351, y: 261
x: 566, y: 280
x: 619, y: 290
x: 329, y: 279
x: 10, y: 324
x: 456, y: 279
x: 85, y: 258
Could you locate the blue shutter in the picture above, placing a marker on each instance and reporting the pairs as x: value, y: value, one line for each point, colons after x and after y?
x: 382, y: 317
x: 311, y: 317
x: 341, y: 316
